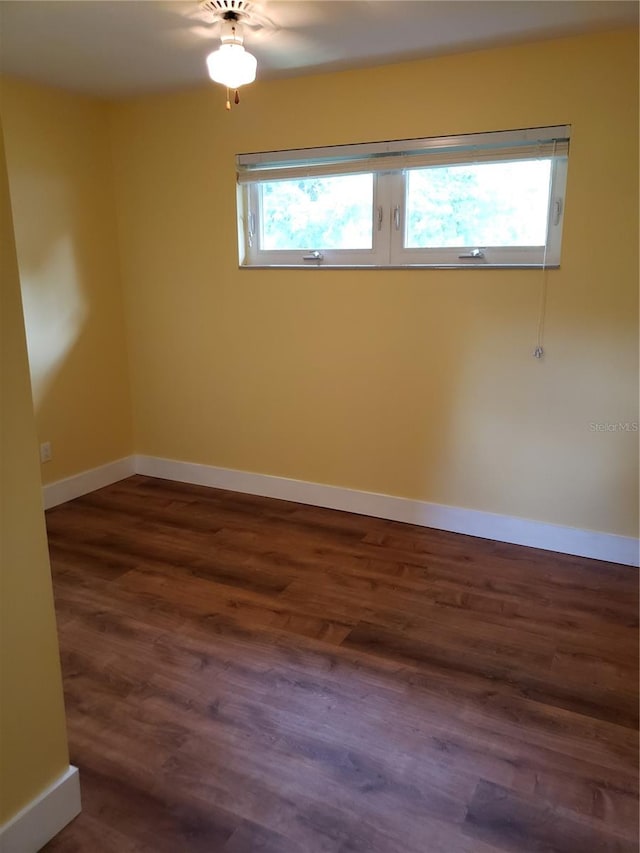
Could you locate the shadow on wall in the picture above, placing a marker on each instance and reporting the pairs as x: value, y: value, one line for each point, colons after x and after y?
x: 61, y: 189
x: 56, y: 309
x: 75, y: 343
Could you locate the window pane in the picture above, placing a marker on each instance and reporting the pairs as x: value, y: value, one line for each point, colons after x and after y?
x: 318, y: 213
x: 484, y: 204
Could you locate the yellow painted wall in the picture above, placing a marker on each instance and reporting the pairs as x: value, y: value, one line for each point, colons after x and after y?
x: 59, y: 164
x: 413, y: 383
x: 33, y: 745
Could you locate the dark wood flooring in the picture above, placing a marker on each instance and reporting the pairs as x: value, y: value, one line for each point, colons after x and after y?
x: 246, y: 675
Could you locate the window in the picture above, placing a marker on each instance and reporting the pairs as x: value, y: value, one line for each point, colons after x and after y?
x: 488, y: 199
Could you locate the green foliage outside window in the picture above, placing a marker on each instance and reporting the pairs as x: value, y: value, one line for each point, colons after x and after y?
x: 318, y: 213
x: 485, y: 204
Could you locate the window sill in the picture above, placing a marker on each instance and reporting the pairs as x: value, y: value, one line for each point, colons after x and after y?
x: 398, y: 266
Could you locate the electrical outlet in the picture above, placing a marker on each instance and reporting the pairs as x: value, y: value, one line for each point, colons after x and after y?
x: 46, y: 454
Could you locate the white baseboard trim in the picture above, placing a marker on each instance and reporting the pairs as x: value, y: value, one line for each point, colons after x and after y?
x: 87, y: 481
x: 44, y: 817
x: 486, y: 525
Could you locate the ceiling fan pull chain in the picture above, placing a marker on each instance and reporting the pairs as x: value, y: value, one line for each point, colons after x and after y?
x: 236, y: 100
x: 228, y: 104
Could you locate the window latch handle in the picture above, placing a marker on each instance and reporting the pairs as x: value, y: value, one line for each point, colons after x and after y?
x: 396, y: 217
x: 474, y: 253
x: 313, y: 256
x: 380, y: 215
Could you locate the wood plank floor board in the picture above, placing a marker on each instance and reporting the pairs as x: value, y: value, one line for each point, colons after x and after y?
x: 245, y: 674
x: 441, y: 545
x: 516, y: 823
x: 253, y: 838
x: 513, y: 676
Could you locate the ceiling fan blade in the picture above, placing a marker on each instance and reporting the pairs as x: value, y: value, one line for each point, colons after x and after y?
x: 285, y: 49
x: 292, y: 14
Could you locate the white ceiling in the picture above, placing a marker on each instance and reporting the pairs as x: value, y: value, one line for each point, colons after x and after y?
x: 117, y: 47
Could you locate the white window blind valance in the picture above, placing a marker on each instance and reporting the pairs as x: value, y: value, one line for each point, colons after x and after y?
x: 393, y: 155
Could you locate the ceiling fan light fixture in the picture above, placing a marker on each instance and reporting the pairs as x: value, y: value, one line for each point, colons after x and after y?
x: 232, y: 66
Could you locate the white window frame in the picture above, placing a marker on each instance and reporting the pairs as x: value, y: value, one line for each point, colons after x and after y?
x: 389, y: 163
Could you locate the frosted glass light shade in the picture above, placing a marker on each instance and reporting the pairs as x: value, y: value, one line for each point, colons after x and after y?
x: 232, y: 66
